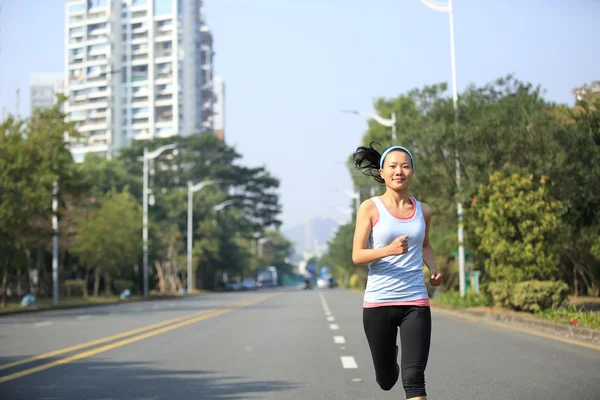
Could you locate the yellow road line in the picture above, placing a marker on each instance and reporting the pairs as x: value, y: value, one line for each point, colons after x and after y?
x: 99, y: 341
x: 518, y: 329
x: 178, y: 322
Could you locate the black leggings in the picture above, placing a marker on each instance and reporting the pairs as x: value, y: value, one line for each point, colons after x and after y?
x: 381, y: 327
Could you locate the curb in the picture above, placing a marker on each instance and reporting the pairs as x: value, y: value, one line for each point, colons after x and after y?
x: 549, y: 329
x: 27, y: 310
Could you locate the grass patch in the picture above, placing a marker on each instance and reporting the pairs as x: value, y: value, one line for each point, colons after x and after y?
x: 571, y: 315
x: 47, y: 302
x: 454, y: 300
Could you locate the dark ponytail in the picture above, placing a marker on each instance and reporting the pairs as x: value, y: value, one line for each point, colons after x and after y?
x: 366, y: 161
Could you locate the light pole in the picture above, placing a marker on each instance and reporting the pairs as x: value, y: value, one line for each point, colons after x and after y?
x: 191, y: 189
x: 447, y: 7
x: 390, y: 123
x: 55, y: 242
x: 146, y: 158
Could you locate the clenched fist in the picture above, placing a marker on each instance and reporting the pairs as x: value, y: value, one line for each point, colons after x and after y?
x: 399, y: 245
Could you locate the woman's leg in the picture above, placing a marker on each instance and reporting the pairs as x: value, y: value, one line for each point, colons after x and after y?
x: 381, y: 332
x: 415, y: 339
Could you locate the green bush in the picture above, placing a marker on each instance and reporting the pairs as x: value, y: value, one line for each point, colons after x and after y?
x: 357, y: 282
x: 539, y: 295
x: 572, y: 315
x: 122, y: 284
x: 453, y: 299
x: 501, y: 293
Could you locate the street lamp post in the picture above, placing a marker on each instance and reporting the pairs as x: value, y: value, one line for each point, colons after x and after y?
x: 447, y: 7
x: 191, y: 189
x: 390, y: 123
x: 55, y: 242
x: 146, y: 158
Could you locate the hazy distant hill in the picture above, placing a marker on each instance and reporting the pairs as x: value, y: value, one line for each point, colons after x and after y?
x: 321, y: 231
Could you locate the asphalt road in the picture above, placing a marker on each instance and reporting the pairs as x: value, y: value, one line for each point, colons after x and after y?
x: 269, y: 344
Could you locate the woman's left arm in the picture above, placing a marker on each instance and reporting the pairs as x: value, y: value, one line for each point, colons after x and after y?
x: 428, y: 254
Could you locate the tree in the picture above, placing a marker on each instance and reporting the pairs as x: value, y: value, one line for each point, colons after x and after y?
x: 578, y: 164
x: 33, y: 155
x: 339, y: 255
x: 517, y: 223
x: 108, y: 240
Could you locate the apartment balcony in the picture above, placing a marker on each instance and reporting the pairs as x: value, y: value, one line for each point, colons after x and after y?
x: 163, y: 91
x: 97, y: 39
x: 143, y: 50
x: 140, y: 30
x: 163, y: 79
x: 79, y: 98
x: 93, y: 127
x: 163, y: 102
x: 77, y: 117
x: 163, y: 37
x: 75, y: 42
x: 139, y: 16
x: 138, y: 36
x: 76, y: 19
x: 163, y: 58
x: 137, y: 79
x: 139, y: 41
x: 142, y: 92
x: 164, y: 123
x: 97, y: 94
x: 97, y: 81
x: 98, y: 52
x: 140, y: 125
x: 78, y: 33
x: 98, y: 31
x: 97, y: 114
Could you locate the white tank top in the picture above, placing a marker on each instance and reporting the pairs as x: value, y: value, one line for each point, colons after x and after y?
x: 397, y: 278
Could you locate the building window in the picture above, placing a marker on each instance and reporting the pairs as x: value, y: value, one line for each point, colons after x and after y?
x: 163, y: 7
x: 76, y: 8
x: 139, y: 2
x: 97, y: 4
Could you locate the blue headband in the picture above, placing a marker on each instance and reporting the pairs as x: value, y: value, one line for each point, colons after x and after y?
x: 385, y: 153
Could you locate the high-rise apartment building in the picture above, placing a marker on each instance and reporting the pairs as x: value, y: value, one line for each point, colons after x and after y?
x: 137, y: 69
x: 43, y: 89
x: 219, y: 108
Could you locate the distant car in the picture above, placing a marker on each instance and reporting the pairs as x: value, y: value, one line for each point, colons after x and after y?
x: 248, y: 284
x: 326, y: 282
x: 233, y: 286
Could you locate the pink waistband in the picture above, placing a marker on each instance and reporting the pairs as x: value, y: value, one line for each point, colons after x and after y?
x: 420, y: 303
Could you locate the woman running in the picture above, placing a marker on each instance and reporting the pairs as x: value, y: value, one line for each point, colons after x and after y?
x: 392, y: 236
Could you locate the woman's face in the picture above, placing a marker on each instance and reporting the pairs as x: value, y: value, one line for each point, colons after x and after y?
x: 397, y: 170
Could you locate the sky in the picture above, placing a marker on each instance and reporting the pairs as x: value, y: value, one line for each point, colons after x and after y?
x: 291, y: 66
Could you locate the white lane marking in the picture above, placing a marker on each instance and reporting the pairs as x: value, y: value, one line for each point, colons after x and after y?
x: 330, y: 319
x: 334, y: 327
x: 348, y: 362
x: 327, y: 313
x: 339, y: 339
x: 84, y: 317
x: 43, y: 323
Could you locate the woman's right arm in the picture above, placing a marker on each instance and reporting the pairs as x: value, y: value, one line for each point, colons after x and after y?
x: 360, y: 253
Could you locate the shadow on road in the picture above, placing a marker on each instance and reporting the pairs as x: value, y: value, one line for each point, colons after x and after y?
x: 130, y: 380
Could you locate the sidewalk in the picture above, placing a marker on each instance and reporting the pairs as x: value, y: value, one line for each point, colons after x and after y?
x: 525, y: 322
